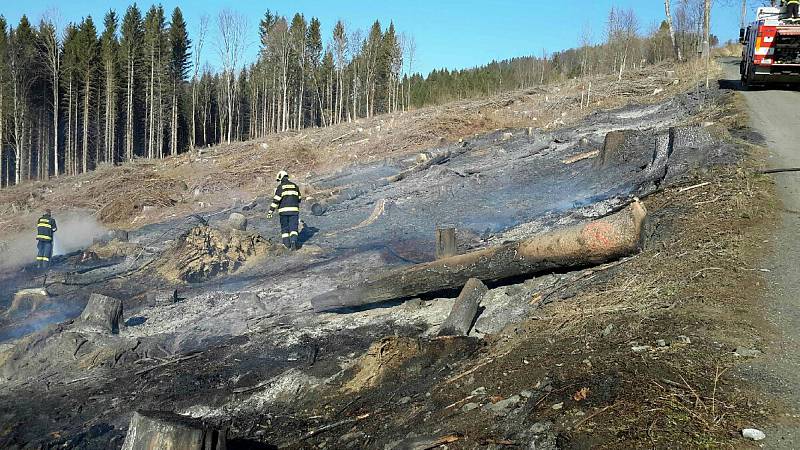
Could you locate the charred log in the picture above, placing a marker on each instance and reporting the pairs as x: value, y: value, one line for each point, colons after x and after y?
x: 465, y: 309
x: 595, y: 242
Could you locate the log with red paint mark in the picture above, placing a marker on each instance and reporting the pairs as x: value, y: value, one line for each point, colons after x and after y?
x: 587, y: 244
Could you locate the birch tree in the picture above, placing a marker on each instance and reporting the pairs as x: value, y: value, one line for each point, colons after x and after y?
x: 4, y: 58
x: 676, y: 48
x: 231, y: 44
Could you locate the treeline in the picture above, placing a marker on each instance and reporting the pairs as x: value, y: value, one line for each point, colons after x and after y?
x: 624, y: 46
x: 76, y: 98
x: 136, y: 86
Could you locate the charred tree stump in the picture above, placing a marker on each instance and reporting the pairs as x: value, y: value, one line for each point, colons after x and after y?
x: 591, y: 243
x: 157, y: 429
x: 465, y: 308
x: 103, y: 312
x: 445, y: 241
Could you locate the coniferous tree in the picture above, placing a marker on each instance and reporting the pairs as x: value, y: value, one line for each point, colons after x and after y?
x: 154, y: 59
x: 22, y: 74
x: 178, y: 68
x: 313, y: 52
x: 109, y: 55
x: 50, y: 53
x: 87, y: 68
x: 132, y: 32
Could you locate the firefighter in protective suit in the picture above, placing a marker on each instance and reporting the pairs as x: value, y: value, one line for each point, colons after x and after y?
x: 792, y: 8
x: 45, y: 228
x: 286, y: 201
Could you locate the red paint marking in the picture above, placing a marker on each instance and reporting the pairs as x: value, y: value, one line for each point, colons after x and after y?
x: 600, y: 233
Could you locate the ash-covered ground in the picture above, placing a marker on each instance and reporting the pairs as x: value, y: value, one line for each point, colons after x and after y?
x: 240, y: 346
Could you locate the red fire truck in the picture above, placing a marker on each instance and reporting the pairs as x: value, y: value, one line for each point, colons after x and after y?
x: 771, y: 52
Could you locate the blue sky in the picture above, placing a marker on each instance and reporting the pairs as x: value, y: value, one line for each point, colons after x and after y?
x: 448, y: 33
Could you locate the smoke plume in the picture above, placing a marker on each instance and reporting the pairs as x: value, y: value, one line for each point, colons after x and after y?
x: 76, y: 230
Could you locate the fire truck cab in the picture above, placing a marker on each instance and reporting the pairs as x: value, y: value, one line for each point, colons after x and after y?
x: 771, y: 52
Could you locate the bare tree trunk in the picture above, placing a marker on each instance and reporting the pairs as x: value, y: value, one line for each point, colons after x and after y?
x: 129, y: 113
x: 110, y: 135
x: 173, y: 134
x: 97, y: 119
x: 160, y: 129
x: 68, y: 149
x: 55, y: 122
x: 201, y: 34
x: 675, y: 46
x: 264, y: 107
x: 2, y: 135
x: 18, y: 132
x: 85, y: 142
x: 151, y: 103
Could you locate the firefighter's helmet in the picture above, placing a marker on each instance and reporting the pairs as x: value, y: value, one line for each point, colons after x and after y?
x: 281, y: 174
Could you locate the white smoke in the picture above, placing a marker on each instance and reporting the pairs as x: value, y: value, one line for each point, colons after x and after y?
x: 76, y: 230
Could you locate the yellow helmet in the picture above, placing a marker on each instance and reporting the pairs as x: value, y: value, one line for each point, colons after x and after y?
x: 281, y: 174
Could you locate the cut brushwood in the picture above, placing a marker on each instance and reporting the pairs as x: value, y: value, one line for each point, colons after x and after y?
x: 465, y: 308
x: 591, y: 243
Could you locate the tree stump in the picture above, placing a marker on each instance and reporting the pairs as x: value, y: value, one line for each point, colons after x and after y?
x: 237, y: 221
x: 103, y: 312
x: 120, y: 235
x: 165, y: 430
x: 445, y: 241
x: 465, y: 308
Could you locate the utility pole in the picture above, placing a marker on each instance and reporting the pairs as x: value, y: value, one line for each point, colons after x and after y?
x: 743, y: 21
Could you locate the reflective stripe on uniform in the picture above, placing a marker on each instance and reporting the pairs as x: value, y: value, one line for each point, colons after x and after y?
x: 289, y: 209
x: 293, y: 233
x: 42, y: 224
x: 273, y: 206
x: 285, y: 235
x: 44, y: 238
x: 288, y: 186
x: 277, y: 198
x: 42, y: 258
x: 294, y: 193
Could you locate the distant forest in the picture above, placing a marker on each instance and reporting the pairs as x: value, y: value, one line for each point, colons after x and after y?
x: 75, y: 97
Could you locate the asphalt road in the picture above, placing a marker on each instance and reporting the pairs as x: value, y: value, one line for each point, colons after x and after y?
x: 775, y: 115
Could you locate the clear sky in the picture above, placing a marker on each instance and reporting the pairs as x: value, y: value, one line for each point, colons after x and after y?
x: 448, y: 33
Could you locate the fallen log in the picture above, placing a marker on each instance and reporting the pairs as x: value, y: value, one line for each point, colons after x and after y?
x: 465, y: 308
x: 582, y: 245
x: 427, y: 442
x: 158, y: 429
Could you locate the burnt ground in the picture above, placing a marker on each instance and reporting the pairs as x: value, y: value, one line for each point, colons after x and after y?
x: 562, y: 360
